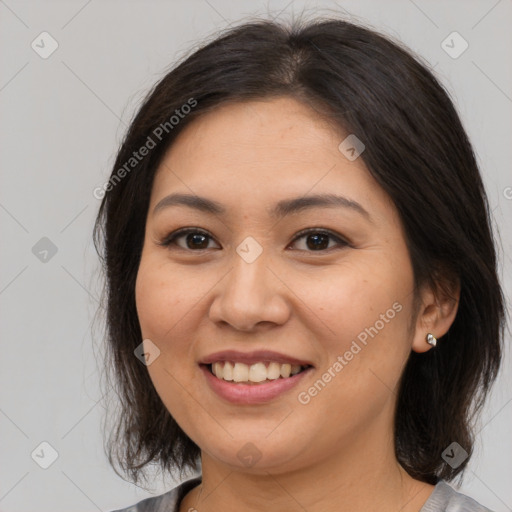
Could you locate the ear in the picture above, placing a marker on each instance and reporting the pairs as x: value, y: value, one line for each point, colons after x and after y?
x: 436, y: 314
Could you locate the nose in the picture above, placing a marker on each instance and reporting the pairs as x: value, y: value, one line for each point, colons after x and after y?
x: 250, y: 297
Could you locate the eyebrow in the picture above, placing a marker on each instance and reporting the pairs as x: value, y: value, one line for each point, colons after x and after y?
x: 281, y: 209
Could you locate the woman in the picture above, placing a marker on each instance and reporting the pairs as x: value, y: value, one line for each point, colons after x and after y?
x: 301, y: 278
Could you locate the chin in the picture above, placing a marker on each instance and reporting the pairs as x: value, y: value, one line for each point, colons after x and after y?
x: 257, y: 455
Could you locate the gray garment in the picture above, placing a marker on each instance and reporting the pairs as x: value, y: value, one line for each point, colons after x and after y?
x: 442, y: 499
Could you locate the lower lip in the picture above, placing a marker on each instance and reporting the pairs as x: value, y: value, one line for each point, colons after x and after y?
x: 238, y: 393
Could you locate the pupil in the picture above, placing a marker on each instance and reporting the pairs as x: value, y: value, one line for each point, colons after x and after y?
x: 321, y: 241
x: 318, y: 241
x: 196, y: 240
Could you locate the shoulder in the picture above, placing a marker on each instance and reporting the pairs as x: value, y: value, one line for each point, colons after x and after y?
x: 168, y: 502
x: 446, y: 499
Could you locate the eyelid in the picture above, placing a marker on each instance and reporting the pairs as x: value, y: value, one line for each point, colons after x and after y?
x: 169, y: 239
x: 322, y: 231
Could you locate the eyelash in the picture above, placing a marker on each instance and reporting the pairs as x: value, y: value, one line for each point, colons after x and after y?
x: 171, y: 238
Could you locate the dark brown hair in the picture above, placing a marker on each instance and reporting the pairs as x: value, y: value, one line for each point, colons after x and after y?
x: 416, y: 149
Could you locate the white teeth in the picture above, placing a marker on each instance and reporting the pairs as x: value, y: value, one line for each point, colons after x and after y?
x: 228, y: 371
x: 218, y: 370
x: 257, y: 372
x: 240, y: 372
x: 286, y: 370
x: 273, y: 371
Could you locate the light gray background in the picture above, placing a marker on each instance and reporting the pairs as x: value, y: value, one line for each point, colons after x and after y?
x: 61, y: 121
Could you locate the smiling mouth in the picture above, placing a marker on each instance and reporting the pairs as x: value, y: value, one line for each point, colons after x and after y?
x: 257, y: 373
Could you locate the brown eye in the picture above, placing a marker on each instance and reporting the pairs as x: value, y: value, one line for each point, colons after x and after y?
x: 318, y: 241
x: 196, y: 241
x: 188, y: 239
x: 192, y: 239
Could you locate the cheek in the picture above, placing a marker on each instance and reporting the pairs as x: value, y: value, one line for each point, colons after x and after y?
x: 154, y: 303
x: 165, y: 307
x: 164, y: 299
x: 367, y: 310
x: 355, y: 299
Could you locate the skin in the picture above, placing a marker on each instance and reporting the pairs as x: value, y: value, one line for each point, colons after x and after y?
x: 335, y: 452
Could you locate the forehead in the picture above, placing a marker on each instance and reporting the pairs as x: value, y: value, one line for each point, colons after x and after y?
x: 257, y: 132
x: 261, y: 151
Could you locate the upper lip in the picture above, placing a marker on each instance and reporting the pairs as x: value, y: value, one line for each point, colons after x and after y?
x: 253, y: 357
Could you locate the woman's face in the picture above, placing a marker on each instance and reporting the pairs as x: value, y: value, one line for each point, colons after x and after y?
x: 244, y: 286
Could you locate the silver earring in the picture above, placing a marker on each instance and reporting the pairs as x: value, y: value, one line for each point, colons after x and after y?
x: 431, y: 340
